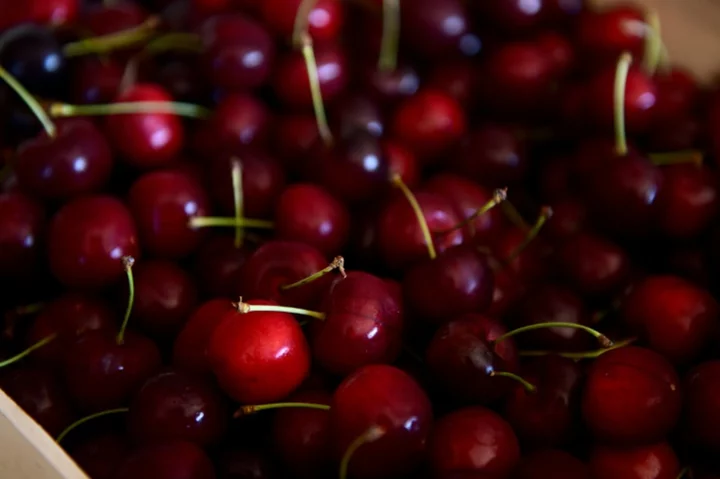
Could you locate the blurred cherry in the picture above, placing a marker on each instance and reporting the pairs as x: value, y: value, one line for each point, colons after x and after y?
x: 653, y: 461
x: 190, y: 350
x: 22, y: 235
x: 701, y: 401
x: 602, y: 35
x: 688, y: 200
x: 324, y: 20
x: 168, y: 460
x: 551, y: 464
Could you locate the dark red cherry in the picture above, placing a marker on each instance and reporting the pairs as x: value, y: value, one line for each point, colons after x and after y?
x: 21, y: 235
x: 561, y: 12
x: 429, y: 123
x: 548, y: 416
x: 101, y: 374
x: 677, y: 95
x: 69, y: 316
x: 75, y: 162
x: 473, y: 439
x: 435, y: 29
x: 106, y: 19
x: 460, y: 280
x: 259, y: 357
x: 181, y: 75
x: 462, y: 356
x: 677, y: 318
x: 531, y: 264
x: 602, y: 35
x: 512, y: 16
x: 702, y: 405
x: 380, y: 396
x: 456, y: 79
x: 49, y: 12
x: 688, y: 200
x: 145, y: 140
x: 167, y: 460
x: 177, y: 406
x: 190, y: 350
x: 88, y: 238
x: 355, y: 112
x: 218, y: 266
x: 293, y: 138
x: 653, y: 461
x: 631, y: 396
x: 390, y: 87
x: 309, y: 214
x: 237, y: 50
x: 246, y: 463
x: 570, y: 217
x: 551, y: 464
x: 324, y: 20
x: 684, y: 132
x: 363, y: 325
x: 402, y: 162
x: 100, y: 455
x: 163, y: 203
x: 95, y: 80
x: 282, y: 263
x: 39, y: 393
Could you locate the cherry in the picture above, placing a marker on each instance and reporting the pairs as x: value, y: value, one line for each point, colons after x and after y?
x: 68, y: 316
x: 388, y: 401
x: 355, y: 112
x: 168, y: 460
x: 522, y: 252
x: 74, y: 162
x: 38, y: 392
x: 463, y: 357
x: 23, y: 220
x: 259, y: 357
x: 100, y: 20
x: 324, y: 18
x: 677, y: 95
x: 551, y: 464
x: 570, y: 217
x: 178, y: 406
x: 243, y: 463
x: 49, y: 12
x: 653, y: 461
x: 293, y: 138
x: 425, y: 28
x: 190, y: 350
x: 95, y: 80
x: 102, y: 374
x: 429, y: 123
x: 513, y: 16
x: 456, y: 79
x: 87, y: 240
x: 560, y: 51
x: 162, y: 203
x: 473, y: 439
x: 632, y: 396
x: 458, y: 281
x: 683, y: 132
x: 701, y: 405
x: 688, y: 200
x: 100, y: 455
x: 218, y: 266
x: 309, y: 214
x: 391, y: 87
x: 675, y: 317
x: 603, y: 35
x: 402, y: 163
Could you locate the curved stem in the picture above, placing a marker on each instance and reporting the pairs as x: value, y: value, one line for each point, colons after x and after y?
x: 177, y: 41
x: 498, y: 197
x: 21, y: 355
x: 580, y: 355
x: 85, y: 419
x: 337, y: 263
x: 529, y: 387
x: 301, y: 26
x: 514, y: 215
x: 653, y: 42
x: 113, y: 41
x: 128, y: 262
x: 245, y: 410
x: 545, y: 214
x: 30, y: 101
x: 390, y: 36
x: 207, y: 221
x: 238, y: 203
x: 602, y: 339
x: 621, y: 74
x: 372, y: 434
x: 188, y: 110
x: 245, y: 308
x: 400, y: 184
x: 315, y: 91
x: 694, y: 157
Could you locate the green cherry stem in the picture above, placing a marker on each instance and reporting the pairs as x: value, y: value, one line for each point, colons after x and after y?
x: 308, y: 53
x: 621, y: 74
x: 245, y: 308
x: 252, y: 409
x: 372, y: 434
x: 85, y: 419
x: 498, y: 197
x: 128, y: 262
x: 337, y: 263
x: 188, y: 110
x: 23, y: 354
x: 580, y: 355
x: 238, y: 203
x: 113, y: 41
x: 514, y: 215
x: 529, y: 387
x: 302, y: 19
x: 545, y: 214
x: 694, y: 157
x: 219, y: 221
x: 602, y: 339
x: 30, y: 101
x: 177, y: 41
x: 653, y: 42
x: 387, y: 62
x: 427, y: 236
x: 685, y: 472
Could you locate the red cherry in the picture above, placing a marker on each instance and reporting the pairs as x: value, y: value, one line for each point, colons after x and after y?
x: 190, y: 351
x: 675, y: 317
x: 632, y: 396
x: 180, y: 76
x: 688, y: 200
x: 391, y: 87
x: 677, y: 95
x: 473, y: 439
x: 570, y: 217
x: 603, y: 35
x: 163, y: 202
x: 241, y: 463
x: 551, y: 464
x: 684, y: 132
x: 293, y: 138
x: 259, y: 357
x: 169, y: 460
x: 102, y: 19
x: 95, y: 80
x: 530, y: 265
x: 355, y: 112
x: 23, y: 221
x: 513, y: 16
x: 702, y: 403
x: 324, y: 20
x: 100, y: 455
x: 380, y: 396
x: 88, y: 238
x: 654, y: 461
x: 401, y: 162
x: 44, y: 12
x: 218, y: 266
x: 145, y: 140
x: 426, y: 28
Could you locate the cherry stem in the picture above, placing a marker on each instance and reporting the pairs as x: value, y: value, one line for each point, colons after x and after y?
x: 209, y: 221
x: 621, y: 74
x: 85, y: 419
x: 514, y: 215
x: 188, y: 110
x: 694, y: 157
x: 128, y: 262
x: 499, y: 196
x: 390, y: 36
x: 529, y: 387
x: 30, y: 101
x: 580, y: 355
x: 238, y: 195
x: 400, y: 184
x: 178, y: 41
x: 315, y: 91
x: 602, y: 339
x: 337, y: 263
x: 19, y: 356
x: 372, y: 434
x: 653, y: 42
x: 545, y: 214
x: 29, y: 309
x: 245, y: 410
x: 302, y: 20
x: 245, y: 308
x: 685, y: 472
x: 113, y: 41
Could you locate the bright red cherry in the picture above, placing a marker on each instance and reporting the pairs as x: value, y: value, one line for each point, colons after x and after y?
x: 190, y: 350
x: 324, y: 20
x: 168, y: 460
x: 23, y: 220
x: 653, y: 461
x: 702, y: 405
x: 551, y: 464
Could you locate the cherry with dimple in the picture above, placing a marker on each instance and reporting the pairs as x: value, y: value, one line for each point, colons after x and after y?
x: 652, y: 461
x: 168, y: 460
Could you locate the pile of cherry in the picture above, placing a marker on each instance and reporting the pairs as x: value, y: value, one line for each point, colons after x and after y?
x: 432, y: 239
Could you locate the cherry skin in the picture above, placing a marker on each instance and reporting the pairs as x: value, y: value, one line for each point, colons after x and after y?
x: 190, y: 350
x: 462, y: 356
x: 68, y: 316
x: 683, y: 132
x: 513, y: 16
x: 654, y: 461
x: 309, y: 214
x: 675, y: 317
x: 570, y: 217
x: 294, y: 136
x: 100, y: 455
x: 677, y: 95
x: 101, y: 19
x: 163, y: 203
x: 259, y: 357
x: 178, y: 406
x: 603, y: 35
x: 632, y: 396
x: 168, y: 460
x: 49, y: 12
x: 386, y: 397
x: 95, y: 80
x: 87, y: 240
x: 551, y: 464
x: 460, y: 280
x: 241, y: 463
x: 701, y: 405
x: 473, y: 439
x: 363, y: 325
x: 101, y: 374
x: 560, y: 51
x: 688, y: 200
x: 23, y: 220
x: 325, y: 19
x: 218, y: 266
x: 402, y: 162
x: 75, y: 162
x: 391, y: 87
x: 355, y: 112
x: 425, y: 28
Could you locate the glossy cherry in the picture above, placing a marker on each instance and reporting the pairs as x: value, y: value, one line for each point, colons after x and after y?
x: 99, y: 455
x: 190, y: 350
x: 95, y: 80
x: 21, y: 236
x: 391, y: 87
x: 168, y: 460
x: 701, y: 417
x: 218, y: 266
x: 324, y: 20
x: 551, y: 464
x: 603, y: 35
x: 688, y: 200
x: 654, y: 461
x: 87, y: 240
x: 425, y: 28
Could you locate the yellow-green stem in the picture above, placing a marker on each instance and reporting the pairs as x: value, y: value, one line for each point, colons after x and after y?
x: 85, y: 419
x: 499, y: 196
x: 23, y: 354
x: 301, y: 27
x: 308, y: 53
x: 512, y: 214
x: 390, y: 36
x: 579, y: 355
x: 238, y: 195
x: 245, y: 308
x: 694, y: 157
x: 252, y: 409
x: 602, y: 339
x: 128, y: 262
x: 372, y: 434
x: 427, y: 236
x: 187, y: 110
x: 545, y: 214
x: 113, y: 41
x: 653, y: 42
x: 621, y: 74
x: 30, y: 101
x: 219, y: 221
x: 337, y: 263
x: 529, y: 387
